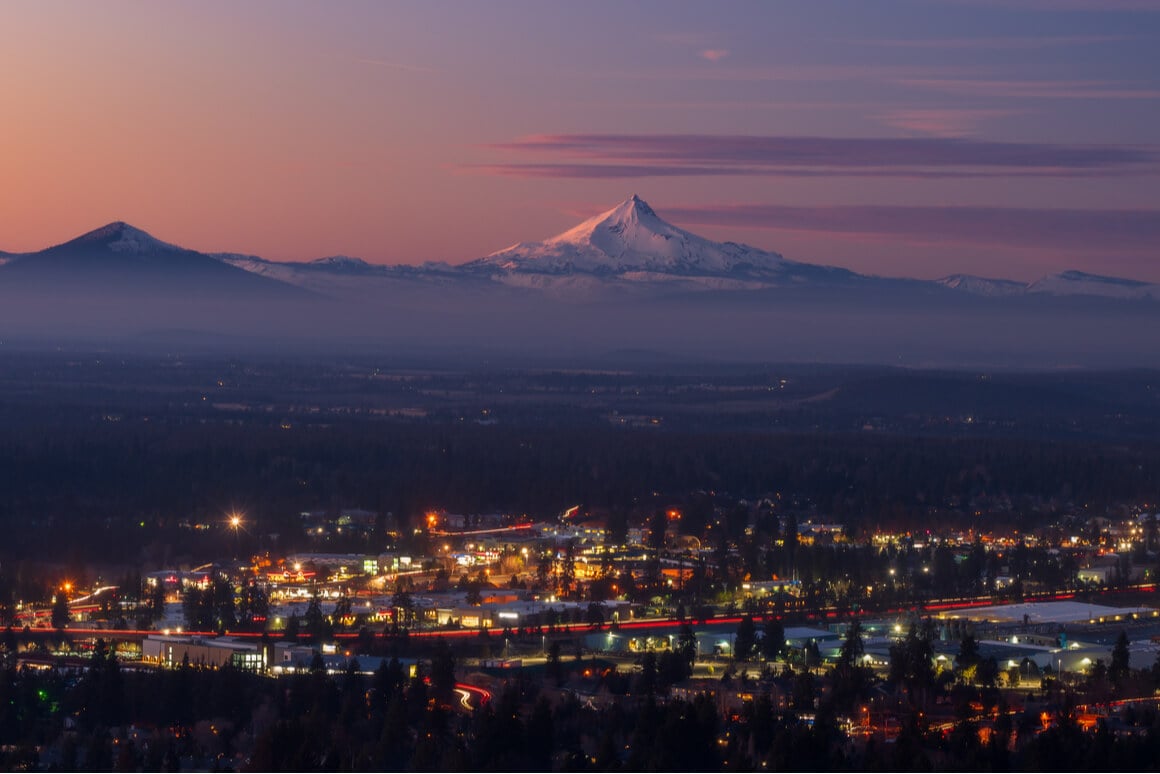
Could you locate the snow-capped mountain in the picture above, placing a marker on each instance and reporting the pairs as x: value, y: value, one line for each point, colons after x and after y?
x: 632, y: 243
x: 983, y: 286
x: 628, y: 248
x: 344, y: 264
x: 1078, y: 283
x: 1067, y: 283
x: 631, y: 248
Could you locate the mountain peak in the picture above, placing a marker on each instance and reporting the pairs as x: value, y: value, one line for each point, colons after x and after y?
x: 341, y: 264
x: 632, y: 212
x: 120, y: 237
x: 630, y: 238
x: 634, y: 207
x: 340, y: 261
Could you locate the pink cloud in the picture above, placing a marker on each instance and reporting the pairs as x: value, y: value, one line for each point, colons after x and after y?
x: 941, y: 122
x: 713, y: 54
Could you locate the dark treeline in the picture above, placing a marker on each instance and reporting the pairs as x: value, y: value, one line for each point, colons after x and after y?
x: 103, y: 488
x: 106, y: 718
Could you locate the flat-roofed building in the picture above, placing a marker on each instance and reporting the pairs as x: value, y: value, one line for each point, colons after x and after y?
x: 173, y: 650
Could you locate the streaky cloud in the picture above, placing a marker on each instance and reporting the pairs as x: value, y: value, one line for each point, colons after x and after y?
x: 940, y: 122
x: 1065, y: 229
x: 662, y: 155
x: 1100, y: 6
x: 1014, y: 43
x: 1009, y: 89
x: 623, y: 171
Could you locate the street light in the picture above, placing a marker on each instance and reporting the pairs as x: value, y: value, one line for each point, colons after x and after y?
x: 235, y: 521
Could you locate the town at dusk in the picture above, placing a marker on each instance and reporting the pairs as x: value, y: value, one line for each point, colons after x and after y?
x: 602, y: 386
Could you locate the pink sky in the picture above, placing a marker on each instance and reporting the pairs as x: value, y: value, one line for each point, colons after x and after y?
x: 405, y: 132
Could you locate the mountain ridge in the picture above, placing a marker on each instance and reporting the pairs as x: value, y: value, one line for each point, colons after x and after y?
x: 117, y: 286
x: 628, y: 247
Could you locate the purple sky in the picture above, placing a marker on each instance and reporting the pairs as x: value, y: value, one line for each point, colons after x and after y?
x: 998, y: 137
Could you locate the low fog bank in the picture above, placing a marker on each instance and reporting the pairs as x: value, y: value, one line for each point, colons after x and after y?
x: 489, y: 322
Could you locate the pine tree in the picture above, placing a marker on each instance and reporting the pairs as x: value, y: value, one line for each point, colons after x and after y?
x: 746, y: 640
x: 1120, y: 668
x: 772, y: 639
x: 60, y: 613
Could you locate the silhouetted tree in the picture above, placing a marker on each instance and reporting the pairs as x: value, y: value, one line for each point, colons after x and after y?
x: 745, y: 641
x: 1119, y: 669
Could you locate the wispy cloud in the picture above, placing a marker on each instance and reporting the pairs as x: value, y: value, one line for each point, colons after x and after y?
x: 704, y: 45
x: 1100, y: 6
x: 1013, y: 89
x: 999, y: 43
x: 651, y: 155
x: 941, y: 122
x: 973, y: 80
x: 809, y: 73
x: 1065, y: 229
x: 628, y: 171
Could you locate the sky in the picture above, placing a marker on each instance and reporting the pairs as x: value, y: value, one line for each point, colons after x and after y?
x: 1005, y: 138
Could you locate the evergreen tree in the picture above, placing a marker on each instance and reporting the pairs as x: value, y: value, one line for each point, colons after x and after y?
x: 442, y: 670
x: 403, y: 606
x: 1119, y: 669
x: 224, y: 605
x: 656, y: 529
x: 157, y: 601
x: 315, y: 621
x: 646, y: 683
x: 772, y: 639
x: 292, y: 628
x: 554, y: 668
x: 687, y: 645
x: 60, y: 612
x: 745, y: 642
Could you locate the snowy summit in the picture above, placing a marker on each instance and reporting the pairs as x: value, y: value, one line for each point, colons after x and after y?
x: 120, y: 237
x: 630, y: 238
